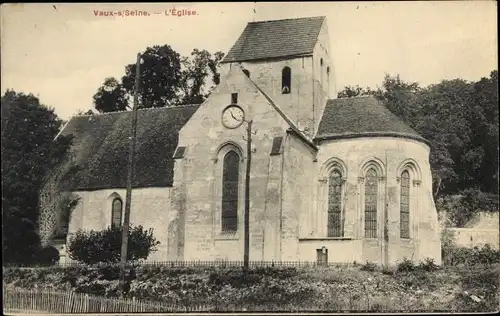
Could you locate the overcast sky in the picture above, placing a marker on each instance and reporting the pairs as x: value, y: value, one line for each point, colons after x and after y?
x: 63, y: 54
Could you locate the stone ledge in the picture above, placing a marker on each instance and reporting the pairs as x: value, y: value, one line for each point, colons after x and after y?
x: 222, y: 236
x: 325, y: 238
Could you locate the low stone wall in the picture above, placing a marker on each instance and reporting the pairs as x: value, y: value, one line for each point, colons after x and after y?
x: 470, y: 237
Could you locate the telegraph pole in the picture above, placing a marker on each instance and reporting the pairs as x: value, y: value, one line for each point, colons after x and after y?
x: 247, y: 198
x: 130, y: 173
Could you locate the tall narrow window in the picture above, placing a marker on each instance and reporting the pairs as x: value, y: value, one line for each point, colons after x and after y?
x: 404, y: 220
x: 371, y: 189
x: 234, y: 98
x: 116, y: 213
x: 230, y: 180
x: 321, y: 71
x: 335, y: 205
x: 327, y: 81
x: 286, y: 80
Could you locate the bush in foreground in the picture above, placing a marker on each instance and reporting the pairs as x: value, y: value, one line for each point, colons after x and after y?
x: 104, y: 246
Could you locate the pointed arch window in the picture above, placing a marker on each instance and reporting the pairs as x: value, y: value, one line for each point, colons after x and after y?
x: 286, y: 80
x: 404, y: 220
x: 116, y: 212
x: 371, y: 196
x: 335, y: 204
x: 230, y: 180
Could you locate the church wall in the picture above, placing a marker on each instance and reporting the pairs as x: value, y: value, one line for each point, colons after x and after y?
x: 205, y: 137
x: 298, y: 104
x: 149, y: 208
x: 297, y: 195
x: 339, y: 251
x: 324, y: 83
x: 389, y: 154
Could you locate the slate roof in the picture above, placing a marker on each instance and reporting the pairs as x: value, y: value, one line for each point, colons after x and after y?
x: 101, y: 145
x: 361, y: 116
x: 274, y: 39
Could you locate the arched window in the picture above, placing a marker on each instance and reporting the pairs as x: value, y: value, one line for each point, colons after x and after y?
x: 116, y: 212
x: 246, y: 73
x: 321, y: 62
x: 335, y: 204
x: 371, y: 189
x: 328, y: 81
x: 230, y: 180
x: 286, y: 80
x: 404, y: 209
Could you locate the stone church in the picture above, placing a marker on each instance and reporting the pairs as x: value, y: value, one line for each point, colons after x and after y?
x: 337, y: 180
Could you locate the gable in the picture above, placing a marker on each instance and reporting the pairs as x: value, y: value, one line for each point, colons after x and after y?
x: 99, y: 153
x: 361, y: 116
x: 275, y: 39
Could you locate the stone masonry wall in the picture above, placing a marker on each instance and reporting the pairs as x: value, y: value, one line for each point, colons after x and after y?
x: 150, y: 208
x: 390, y: 156
x: 206, y: 141
x: 297, y: 195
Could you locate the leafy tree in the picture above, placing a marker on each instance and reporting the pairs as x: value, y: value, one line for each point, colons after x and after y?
x: 466, y: 205
x: 92, y: 246
x: 484, y: 124
x: 195, y: 72
x: 160, y: 77
x: 111, y: 97
x: 166, y: 79
x: 399, y: 97
x: 354, y: 91
x: 29, y: 151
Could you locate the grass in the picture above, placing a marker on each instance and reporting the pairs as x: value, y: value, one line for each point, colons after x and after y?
x: 365, y: 287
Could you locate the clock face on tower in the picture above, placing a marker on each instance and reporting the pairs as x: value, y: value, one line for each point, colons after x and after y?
x: 233, y: 116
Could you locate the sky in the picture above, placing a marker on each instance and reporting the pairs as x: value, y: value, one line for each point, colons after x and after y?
x: 63, y: 52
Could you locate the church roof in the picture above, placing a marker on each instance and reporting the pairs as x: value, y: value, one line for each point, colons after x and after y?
x: 359, y: 117
x: 277, y: 38
x: 101, y: 145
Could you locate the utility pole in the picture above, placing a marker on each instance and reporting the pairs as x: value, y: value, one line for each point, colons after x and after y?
x: 247, y: 199
x: 130, y: 173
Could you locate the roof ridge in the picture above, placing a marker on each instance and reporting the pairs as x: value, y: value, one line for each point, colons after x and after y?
x: 139, y: 109
x: 354, y: 97
x: 300, y: 18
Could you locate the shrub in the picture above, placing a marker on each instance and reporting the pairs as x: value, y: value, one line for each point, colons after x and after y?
x: 406, y: 265
x: 428, y: 265
x: 471, y: 256
x: 92, y: 247
x: 47, y: 256
x: 369, y: 266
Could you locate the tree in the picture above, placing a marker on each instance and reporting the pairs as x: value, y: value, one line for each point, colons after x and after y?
x: 111, y: 97
x: 92, y: 246
x: 484, y: 124
x: 354, y: 91
x: 29, y: 151
x: 166, y: 79
x: 195, y: 73
x: 160, y: 77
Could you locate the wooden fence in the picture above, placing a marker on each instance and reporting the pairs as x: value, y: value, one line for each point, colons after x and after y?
x: 198, y: 263
x: 46, y: 301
